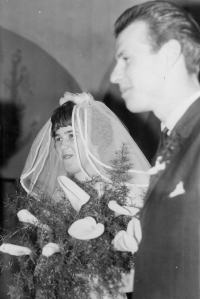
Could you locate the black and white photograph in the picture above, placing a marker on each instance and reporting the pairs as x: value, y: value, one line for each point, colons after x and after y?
x: 100, y: 149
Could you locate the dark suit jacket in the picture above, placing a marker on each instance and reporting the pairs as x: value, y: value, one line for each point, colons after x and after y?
x: 167, y: 262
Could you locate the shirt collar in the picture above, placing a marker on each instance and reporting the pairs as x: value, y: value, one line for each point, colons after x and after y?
x: 178, y: 112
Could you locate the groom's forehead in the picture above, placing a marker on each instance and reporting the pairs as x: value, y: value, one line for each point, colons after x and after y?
x: 132, y: 38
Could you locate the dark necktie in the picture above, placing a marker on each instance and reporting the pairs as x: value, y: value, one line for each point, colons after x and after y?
x: 163, y: 137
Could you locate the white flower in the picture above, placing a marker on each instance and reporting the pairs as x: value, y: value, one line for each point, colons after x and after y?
x: 124, y: 242
x: 25, y: 216
x: 178, y: 190
x: 77, y: 98
x: 122, y: 210
x: 158, y: 167
x: 14, y: 249
x: 128, y: 240
x: 86, y: 229
x: 73, y: 192
x: 50, y: 248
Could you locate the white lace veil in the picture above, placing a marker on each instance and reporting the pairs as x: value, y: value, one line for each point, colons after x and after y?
x: 102, y: 134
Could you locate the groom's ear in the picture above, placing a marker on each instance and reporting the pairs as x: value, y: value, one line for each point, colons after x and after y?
x: 171, y: 52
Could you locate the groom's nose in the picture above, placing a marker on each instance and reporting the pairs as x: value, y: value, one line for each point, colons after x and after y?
x: 116, y: 74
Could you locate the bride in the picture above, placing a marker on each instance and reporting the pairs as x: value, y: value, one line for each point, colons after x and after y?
x: 78, y: 142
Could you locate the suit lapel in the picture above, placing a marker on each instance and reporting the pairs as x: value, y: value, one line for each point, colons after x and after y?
x: 183, y: 129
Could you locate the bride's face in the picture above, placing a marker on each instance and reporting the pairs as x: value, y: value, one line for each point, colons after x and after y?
x: 65, y: 148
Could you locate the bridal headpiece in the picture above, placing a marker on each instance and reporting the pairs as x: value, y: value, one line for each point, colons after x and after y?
x: 76, y: 98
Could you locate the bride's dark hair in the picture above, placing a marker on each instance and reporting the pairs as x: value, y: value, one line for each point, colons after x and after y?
x: 62, y: 117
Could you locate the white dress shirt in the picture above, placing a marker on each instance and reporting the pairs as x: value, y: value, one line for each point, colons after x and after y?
x: 178, y: 112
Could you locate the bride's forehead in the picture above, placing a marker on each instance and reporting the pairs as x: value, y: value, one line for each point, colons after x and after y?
x: 63, y: 130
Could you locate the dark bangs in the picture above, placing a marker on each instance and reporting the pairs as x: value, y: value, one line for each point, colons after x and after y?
x: 62, y: 117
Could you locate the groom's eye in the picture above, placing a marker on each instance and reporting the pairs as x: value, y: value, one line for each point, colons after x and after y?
x: 126, y: 59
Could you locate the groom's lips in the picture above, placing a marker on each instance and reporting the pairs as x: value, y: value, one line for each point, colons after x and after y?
x: 124, y: 90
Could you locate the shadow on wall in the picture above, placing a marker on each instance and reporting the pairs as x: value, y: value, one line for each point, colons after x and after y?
x: 11, y: 111
x: 31, y: 84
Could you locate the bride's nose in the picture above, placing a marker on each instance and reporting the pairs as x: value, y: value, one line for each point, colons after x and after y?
x: 65, y: 144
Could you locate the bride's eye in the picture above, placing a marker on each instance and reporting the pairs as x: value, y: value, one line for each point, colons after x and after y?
x: 71, y: 136
x: 57, y: 139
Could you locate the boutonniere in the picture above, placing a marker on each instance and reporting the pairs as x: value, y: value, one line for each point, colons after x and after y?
x: 159, y: 165
x: 171, y: 145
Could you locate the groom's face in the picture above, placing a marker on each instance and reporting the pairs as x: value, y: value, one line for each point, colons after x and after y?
x: 138, y: 70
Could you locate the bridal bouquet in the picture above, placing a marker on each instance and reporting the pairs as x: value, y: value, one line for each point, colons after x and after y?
x: 81, y: 244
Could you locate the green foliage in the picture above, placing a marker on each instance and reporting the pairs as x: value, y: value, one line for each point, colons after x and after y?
x: 80, y: 267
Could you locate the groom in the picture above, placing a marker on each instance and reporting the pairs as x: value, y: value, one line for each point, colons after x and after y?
x: 157, y: 66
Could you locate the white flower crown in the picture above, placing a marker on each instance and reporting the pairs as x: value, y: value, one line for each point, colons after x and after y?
x: 77, y: 98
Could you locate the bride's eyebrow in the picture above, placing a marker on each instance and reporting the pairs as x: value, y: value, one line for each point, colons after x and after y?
x: 66, y: 133
x: 56, y: 135
x: 71, y: 132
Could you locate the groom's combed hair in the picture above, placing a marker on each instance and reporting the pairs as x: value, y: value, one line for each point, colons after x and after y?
x: 166, y: 21
x: 62, y: 117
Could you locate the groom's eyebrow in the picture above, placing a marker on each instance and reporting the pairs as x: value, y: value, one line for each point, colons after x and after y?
x: 119, y: 55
